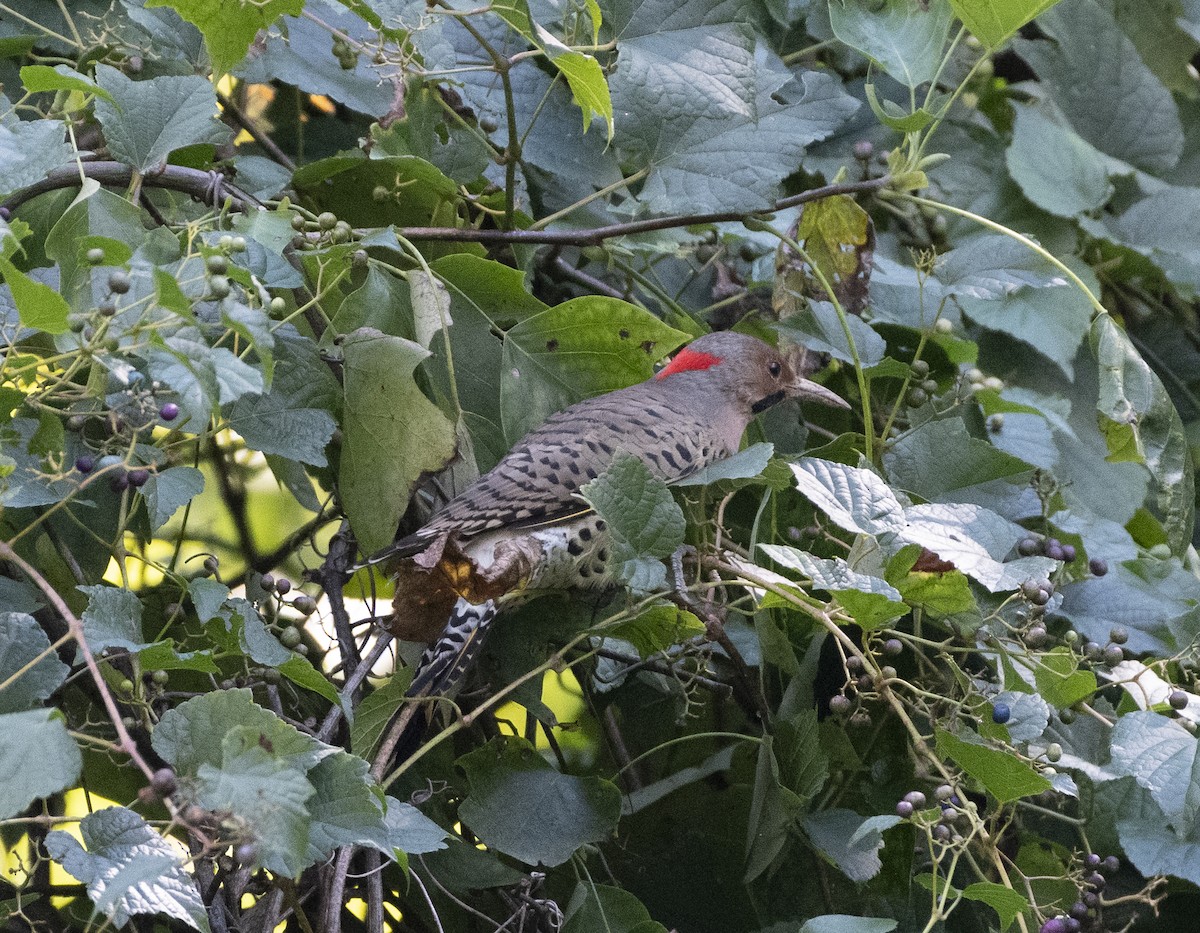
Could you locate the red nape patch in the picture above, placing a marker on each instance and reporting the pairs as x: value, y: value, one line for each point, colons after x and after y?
x: 686, y: 360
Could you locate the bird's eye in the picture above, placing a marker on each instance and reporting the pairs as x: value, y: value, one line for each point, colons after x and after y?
x: 775, y: 369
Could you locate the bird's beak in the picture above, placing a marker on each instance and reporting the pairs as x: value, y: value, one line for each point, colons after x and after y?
x: 808, y: 391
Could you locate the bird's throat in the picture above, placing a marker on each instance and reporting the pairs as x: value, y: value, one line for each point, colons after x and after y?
x: 768, y: 401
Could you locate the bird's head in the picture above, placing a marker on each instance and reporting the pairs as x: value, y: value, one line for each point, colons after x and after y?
x: 747, y: 371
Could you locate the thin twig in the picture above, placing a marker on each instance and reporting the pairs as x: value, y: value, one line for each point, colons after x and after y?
x: 335, y: 892
x: 352, y: 683
x: 210, y: 187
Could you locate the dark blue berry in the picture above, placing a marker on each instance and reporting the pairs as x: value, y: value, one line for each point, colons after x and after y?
x: 1098, y: 566
x: 1001, y: 713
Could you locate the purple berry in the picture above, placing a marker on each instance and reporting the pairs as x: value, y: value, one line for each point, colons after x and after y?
x: 1092, y: 860
x: 1098, y: 566
x: 1068, y: 551
x: 85, y: 464
x: 1055, y: 552
x: 1079, y: 910
x: 138, y: 478
x: 1096, y: 880
x: 1054, y: 925
x: 1073, y: 925
x: 1091, y: 898
x: 119, y: 481
x: 1001, y: 713
x: 169, y: 411
x: 904, y: 809
x: 916, y: 798
x: 1111, y: 864
x: 1027, y: 547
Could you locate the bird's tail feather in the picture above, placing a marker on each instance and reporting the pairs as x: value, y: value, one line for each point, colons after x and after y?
x: 443, y: 667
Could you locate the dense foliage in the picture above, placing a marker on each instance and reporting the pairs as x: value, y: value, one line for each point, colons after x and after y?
x: 279, y: 276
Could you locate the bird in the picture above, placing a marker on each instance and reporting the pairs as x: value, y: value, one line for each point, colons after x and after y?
x: 521, y: 527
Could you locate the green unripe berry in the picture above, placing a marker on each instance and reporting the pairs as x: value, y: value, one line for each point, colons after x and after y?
x: 278, y: 305
x: 217, y: 264
x: 327, y: 220
x: 218, y: 287
x: 290, y: 637
x: 943, y: 326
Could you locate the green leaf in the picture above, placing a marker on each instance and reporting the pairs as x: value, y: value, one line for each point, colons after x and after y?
x: 205, y: 377
x: 38, y: 758
x: 939, y: 459
x: 578, y: 349
x: 229, y: 26
x: 991, y: 266
x: 844, y: 923
x: 113, y: 618
x: 870, y: 600
x: 21, y: 641
x: 485, y: 298
x: 1003, y: 776
x: 745, y: 464
x: 643, y: 518
x: 854, y: 499
x: 692, y: 96
x: 430, y: 305
x: 376, y: 711
x: 1089, y: 58
x: 791, y: 770
x: 1060, y: 681
x: 269, y: 795
x: 168, y: 491
x: 296, y: 419
x: 992, y: 22
x: 1132, y: 395
x: 595, y: 907
x: 657, y: 629
x: 344, y: 808
x: 816, y: 326
x: 191, y: 734
x: 849, y: 841
x: 1051, y: 321
x: 410, y: 830
x: 1074, y: 182
x: 163, y: 656
x: 38, y: 78
x: 148, y: 120
x: 393, y: 434
x: 29, y: 150
x: 1004, y: 900
x: 906, y: 39
x: 1160, y: 755
x: 129, y: 868
x: 38, y: 305
x: 522, y: 807
x: 300, y: 671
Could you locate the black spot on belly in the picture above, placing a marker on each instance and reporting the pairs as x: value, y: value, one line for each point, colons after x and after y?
x: 574, y: 548
x: 602, y: 555
x: 585, y: 534
x: 601, y: 525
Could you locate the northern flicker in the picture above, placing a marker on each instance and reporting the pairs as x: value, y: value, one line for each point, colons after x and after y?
x: 521, y: 526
